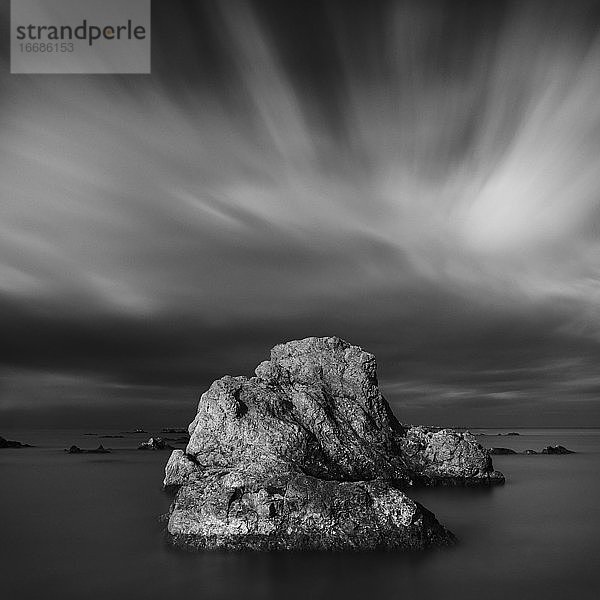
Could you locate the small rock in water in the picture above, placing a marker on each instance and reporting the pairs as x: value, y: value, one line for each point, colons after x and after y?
x: 74, y: 450
x: 77, y: 450
x: 556, y: 450
x: 530, y: 452
x: 4, y: 443
x: 155, y: 443
x: 502, y: 451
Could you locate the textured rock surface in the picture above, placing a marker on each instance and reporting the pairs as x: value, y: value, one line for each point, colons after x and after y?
x: 316, y: 404
x: 307, y: 454
x: 180, y: 470
x: 294, y: 511
x: 446, y: 457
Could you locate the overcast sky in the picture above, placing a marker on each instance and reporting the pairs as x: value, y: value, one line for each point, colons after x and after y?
x: 421, y: 179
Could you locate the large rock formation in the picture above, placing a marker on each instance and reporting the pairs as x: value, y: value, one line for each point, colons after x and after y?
x: 308, y: 454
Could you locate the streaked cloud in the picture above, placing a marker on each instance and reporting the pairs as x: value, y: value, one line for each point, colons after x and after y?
x: 424, y: 182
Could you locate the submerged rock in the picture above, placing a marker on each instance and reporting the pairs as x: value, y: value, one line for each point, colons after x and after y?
x: 556, y: 450
x: 308, y: 454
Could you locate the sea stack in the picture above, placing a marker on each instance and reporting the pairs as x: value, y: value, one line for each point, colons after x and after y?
x: 308, y: 455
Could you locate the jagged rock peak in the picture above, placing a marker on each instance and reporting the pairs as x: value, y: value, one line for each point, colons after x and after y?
x: 315, y: 404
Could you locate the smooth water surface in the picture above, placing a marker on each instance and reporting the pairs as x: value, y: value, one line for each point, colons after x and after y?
x: 87, y: 527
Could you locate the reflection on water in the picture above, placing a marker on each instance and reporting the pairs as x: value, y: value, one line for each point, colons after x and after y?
x: 86, y: 526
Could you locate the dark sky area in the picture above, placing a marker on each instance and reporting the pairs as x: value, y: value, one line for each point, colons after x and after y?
x: 419, y: 178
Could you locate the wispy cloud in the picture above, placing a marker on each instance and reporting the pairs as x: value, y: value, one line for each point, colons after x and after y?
x: 430, y: 177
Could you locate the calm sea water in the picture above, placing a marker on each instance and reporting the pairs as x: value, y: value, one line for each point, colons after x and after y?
x: 86, y: 527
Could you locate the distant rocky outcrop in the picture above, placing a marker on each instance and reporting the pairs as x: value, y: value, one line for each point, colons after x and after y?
x: 74, y: 450
x: 155, y: 443
x: 308, y: 454
x: 556, y: 450
x: 4, y: 443
x: 546, y: 450
x: 77, y: 450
